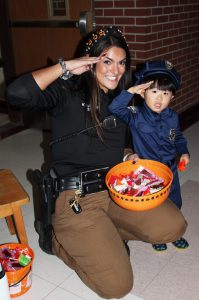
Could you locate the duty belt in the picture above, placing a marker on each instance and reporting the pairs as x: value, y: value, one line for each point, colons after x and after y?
x: 88, y: 182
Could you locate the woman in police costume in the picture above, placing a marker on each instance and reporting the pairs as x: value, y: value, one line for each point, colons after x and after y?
x: 88, y: 227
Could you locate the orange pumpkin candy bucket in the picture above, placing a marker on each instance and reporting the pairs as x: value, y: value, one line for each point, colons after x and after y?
x: 146, y: 202
x: 19, y: 281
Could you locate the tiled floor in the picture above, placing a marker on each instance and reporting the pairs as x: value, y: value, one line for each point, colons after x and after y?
x: 172, y: 275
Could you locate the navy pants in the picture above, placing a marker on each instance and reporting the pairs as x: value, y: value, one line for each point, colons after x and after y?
x: 175, y: 193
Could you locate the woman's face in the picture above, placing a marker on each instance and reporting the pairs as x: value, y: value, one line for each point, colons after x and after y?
x: 110, y: 68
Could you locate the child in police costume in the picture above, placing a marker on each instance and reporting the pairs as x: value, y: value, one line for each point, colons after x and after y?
x: 154, y: 126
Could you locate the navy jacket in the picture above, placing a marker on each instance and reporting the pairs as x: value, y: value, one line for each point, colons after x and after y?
x: 155, y: 136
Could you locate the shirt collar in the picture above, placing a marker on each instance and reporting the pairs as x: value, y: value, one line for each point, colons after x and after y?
x: 155, y: 116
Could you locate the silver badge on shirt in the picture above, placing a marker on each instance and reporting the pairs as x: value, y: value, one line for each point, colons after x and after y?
x: 172, y: 135
x: 133, y: 109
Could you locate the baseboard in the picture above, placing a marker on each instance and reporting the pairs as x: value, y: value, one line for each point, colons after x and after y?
x: 3, y: 107
x: 9, y: 128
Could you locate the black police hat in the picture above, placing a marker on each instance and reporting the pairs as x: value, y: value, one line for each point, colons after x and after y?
x: 157, y: 68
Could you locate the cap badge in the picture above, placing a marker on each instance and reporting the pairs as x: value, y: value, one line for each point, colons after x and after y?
x: 168, y: 65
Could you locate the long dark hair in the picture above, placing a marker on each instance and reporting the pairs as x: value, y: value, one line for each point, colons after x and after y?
x: 95, y: 45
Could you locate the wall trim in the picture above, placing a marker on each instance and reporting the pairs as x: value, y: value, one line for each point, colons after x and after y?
x: 3, y: 107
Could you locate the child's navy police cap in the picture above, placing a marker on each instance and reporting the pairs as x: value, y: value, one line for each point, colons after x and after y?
x: 157, y: 68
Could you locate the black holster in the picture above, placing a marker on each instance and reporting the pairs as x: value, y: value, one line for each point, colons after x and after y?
x: 48, y: 196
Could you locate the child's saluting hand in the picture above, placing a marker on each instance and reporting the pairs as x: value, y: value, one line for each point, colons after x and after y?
x: 140, y: 89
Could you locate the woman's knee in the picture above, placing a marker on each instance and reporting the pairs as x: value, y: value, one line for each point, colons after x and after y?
x: 115, y: 280
x: 117, y: 289
x: 169, y: 231
x: 179, y: 226
x: 176, y: 226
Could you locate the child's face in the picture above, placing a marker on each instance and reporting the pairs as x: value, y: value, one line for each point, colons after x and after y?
x: 157, y: 100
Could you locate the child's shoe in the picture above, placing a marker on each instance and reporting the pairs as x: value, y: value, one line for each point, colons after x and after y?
x: 181, y: 243
x: 159, y: 247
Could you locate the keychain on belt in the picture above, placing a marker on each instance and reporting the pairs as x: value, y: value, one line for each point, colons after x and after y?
x: 74, y: 202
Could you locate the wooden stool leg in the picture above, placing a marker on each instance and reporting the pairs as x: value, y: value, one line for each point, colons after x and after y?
x: 10, y: 224
x: 20, y: 225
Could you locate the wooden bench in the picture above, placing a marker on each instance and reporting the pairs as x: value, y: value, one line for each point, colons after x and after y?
x: 12, y: 197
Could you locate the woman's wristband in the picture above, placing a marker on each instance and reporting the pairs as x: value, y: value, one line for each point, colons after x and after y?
x: 65, y: 73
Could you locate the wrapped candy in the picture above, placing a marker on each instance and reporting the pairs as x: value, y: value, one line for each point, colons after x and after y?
x: 14, y: 259
x: 139, y: 182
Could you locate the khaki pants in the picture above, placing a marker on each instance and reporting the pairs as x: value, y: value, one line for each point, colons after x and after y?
x: 91, y: 242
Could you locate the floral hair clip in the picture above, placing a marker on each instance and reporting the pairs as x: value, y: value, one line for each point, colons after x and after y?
x: 100, y: 34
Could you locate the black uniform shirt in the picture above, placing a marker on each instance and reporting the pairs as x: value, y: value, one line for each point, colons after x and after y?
x: 66, y: 106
